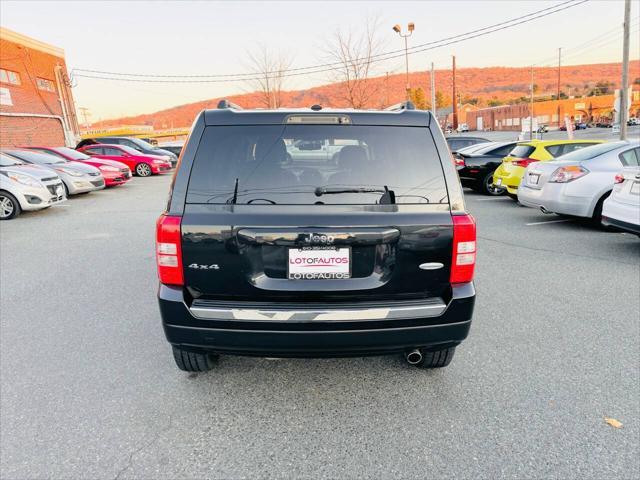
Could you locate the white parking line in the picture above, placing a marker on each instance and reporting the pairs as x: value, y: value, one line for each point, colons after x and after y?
x: 549, y: 221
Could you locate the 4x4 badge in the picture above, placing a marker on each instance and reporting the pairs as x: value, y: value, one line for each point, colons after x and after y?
x: 213, y: 266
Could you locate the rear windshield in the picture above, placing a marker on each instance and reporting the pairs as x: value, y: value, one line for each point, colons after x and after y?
x: 589, y: 152
x: 522, y: 151
x: 312, y: 164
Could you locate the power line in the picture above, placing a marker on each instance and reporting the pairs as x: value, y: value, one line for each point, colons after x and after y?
x: 150, y: 78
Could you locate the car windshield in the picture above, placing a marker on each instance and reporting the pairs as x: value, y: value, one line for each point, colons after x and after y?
x: 587, y: 153
x: 316, y: 164
x: 36, y: 157
x: 71, y: 153
x: 129, y: 150
x: 7, y: 161
x: 142, y: 144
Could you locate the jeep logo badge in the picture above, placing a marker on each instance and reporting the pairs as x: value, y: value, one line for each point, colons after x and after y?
x: 315, y: 238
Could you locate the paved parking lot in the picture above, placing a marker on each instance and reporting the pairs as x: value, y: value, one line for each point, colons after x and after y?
x: 633, y: 132
x: 89, y: 388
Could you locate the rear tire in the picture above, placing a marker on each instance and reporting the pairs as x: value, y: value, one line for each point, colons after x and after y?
x: 487, y: 188
x: 9, y: 206
x: 192, y: 361
x: 143, y: 170
x: 436, y: 359
x: 596, y: 218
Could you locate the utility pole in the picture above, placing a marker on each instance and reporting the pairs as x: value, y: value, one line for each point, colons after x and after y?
x: 454, y: 98
x: 531, y: 108
x: 85, y: 115
x: 558, y: 94
x: 433, y: 93
x: 624, y: 107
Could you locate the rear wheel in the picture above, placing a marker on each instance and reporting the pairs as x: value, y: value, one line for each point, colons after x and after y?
x: 192, y: 361
x: 143, y: 170
x: 9, y: 206
x: 596, y: 218
x: 488, y: 188
x: 436, y: 359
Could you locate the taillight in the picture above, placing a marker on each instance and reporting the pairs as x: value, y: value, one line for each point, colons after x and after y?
x: 618, y: 179
x: 567, y: 174
x: 459, y: 161
x: 523, y: 162
x: 168, y: 250
x: 464, y: 249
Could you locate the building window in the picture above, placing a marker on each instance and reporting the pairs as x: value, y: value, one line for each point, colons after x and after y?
x: 509, y: 122
x: 7, y: 76
x: 44, y: 84
x: 516, y: 122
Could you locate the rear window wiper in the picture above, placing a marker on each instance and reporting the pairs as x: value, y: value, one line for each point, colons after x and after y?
x: 388, y: 197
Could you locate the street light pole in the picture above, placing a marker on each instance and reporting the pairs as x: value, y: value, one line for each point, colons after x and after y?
x: 410, y: 28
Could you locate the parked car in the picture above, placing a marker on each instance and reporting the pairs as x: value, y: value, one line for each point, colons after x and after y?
x: 456, y: 143
x: 76, y: 177
x: 577, y: 183
x: 138, y: 144
x: 142, y: 164
x: 542, y: 129
x: 463, y: 127
x: 581, y: 126
x: 173, y: 147
x: 476, y: 167
x: 259, y: 254
x: 512, y: 168
x: 603, y: 124
x: 114, y: 173
x: 633, y: 121
x: 26, y: 187
x: 622, y: 208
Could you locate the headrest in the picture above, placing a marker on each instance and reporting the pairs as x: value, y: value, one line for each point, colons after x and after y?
x: 353, y: 157
x: 270, y: 151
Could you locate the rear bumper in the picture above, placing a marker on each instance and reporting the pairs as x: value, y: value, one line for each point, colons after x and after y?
x: 317, y: 338
x: 552, y: 198
x: 621, y: 215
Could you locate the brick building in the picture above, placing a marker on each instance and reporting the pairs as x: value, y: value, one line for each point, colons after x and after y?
x: 36, y: 103
x: 581, y: 109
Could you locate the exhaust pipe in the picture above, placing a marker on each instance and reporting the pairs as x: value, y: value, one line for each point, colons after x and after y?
x: 413, y: 357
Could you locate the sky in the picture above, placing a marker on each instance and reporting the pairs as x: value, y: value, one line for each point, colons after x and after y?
x: 207, y: 37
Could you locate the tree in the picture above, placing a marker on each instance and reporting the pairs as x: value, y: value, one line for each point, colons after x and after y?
x: 602, y: 87
x: 535, y: 88
x: 269, y: 69
x: 495, y: 102
x: 636, y: 81
x: 419, y: 99
x: 441, y: 100
x: 470, y: 100
x: 354, y: 55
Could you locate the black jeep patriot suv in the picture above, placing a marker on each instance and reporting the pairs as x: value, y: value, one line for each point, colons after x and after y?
x: 315, y: 232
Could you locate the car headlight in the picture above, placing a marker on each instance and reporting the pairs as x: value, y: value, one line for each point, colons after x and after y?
x: 24, y: 179
x: 68, y: 171
x: 105, y: 168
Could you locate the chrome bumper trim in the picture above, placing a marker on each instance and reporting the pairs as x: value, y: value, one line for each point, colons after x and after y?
x: 432, y: 309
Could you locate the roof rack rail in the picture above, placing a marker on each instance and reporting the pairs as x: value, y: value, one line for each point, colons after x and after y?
x: 227, y: 104
x: 408, y: 105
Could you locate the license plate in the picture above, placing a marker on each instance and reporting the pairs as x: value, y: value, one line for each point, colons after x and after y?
x: 533, y: 179
x: 59, y: 191
x: 635, y: 188
x: 319, y: 263
x: 499, y: 182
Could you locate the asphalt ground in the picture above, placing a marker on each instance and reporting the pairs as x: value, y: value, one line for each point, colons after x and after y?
x: 89, y: 388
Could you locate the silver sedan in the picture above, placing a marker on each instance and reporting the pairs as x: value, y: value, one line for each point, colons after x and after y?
x: 577, y: 183
x: 76, y: 177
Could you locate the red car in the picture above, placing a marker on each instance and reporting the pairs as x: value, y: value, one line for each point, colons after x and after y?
x: 114, y: 173
x: 142, y: 164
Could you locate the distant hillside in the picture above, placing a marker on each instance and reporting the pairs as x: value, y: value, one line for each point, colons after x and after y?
x: 482, y: 85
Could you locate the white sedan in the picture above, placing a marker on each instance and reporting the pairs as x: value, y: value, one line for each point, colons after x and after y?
x: 579, y: 182
x: 622, y: 208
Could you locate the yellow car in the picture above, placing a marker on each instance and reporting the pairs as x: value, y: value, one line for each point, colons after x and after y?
x: 510, y: 172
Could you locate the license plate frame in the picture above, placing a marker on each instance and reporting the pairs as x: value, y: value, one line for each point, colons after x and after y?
x: 635, y: 188
x: 328, y: 271
x: 534, y: 178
